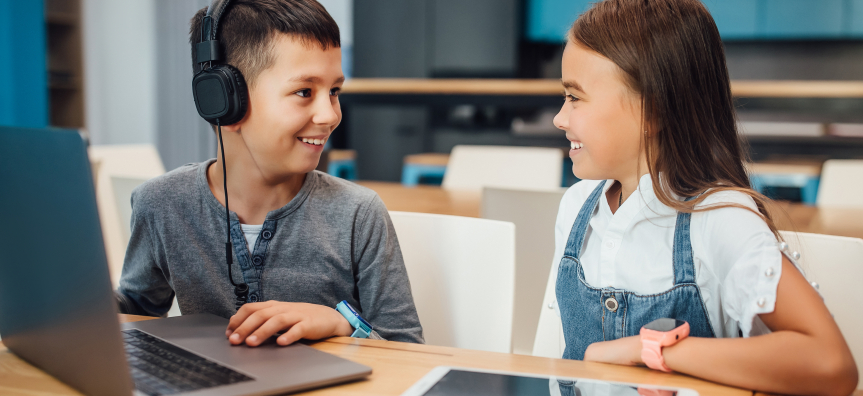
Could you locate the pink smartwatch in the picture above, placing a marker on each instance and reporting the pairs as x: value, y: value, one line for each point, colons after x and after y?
x: 658, y: 334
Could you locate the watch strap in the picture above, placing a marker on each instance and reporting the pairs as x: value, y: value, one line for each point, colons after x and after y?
x: 651, y: 355
x: 362, y: 329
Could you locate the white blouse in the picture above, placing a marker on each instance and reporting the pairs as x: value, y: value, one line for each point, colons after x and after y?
x: 737, y: 259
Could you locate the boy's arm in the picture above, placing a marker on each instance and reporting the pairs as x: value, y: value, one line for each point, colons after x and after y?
x: 384, y: 289
x: 144, y: 289
x: 805, y: 353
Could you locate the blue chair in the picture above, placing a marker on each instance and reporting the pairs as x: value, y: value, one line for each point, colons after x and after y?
x: 804, y: 176
x: 422, y: 167
x: 343, y: 163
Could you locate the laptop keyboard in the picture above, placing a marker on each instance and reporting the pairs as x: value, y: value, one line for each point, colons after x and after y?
x: 161, y: 368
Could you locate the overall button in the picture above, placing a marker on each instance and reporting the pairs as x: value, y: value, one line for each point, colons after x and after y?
x: 253, y: 298
x: 257, y: 260
x: 266, y: 234
x: 611, y: 304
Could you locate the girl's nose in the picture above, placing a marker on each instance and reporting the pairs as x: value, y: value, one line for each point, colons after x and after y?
x: 561, y: 120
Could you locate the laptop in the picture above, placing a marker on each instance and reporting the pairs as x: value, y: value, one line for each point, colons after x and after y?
x: 58, y: 312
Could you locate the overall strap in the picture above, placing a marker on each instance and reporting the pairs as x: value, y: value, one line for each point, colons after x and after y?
x: 579, y: 228
x: 684, y: 266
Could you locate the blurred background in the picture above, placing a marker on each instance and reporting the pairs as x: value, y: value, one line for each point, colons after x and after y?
x: 119, y: 70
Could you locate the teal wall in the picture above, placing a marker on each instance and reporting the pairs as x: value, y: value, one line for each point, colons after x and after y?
x: 23, y: 67
x: 548, y: 20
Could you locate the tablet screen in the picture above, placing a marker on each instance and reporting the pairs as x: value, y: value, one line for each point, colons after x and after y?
x: 458, y: 382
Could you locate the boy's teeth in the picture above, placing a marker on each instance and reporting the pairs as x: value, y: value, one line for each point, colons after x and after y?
x: 572, y: 145
x: 575, y: 145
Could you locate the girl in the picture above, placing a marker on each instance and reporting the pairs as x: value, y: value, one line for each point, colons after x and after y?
x: 673, y: 229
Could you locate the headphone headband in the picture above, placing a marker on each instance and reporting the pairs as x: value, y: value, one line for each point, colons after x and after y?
x: 208, y: 48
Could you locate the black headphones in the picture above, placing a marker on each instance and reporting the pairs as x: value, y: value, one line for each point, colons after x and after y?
x: 219, y: 89
x: 220, y: 96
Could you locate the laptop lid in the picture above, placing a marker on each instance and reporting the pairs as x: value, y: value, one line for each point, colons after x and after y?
x: 57, y: 309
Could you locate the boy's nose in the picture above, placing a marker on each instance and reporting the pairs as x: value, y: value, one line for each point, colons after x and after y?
x: 326, y: 114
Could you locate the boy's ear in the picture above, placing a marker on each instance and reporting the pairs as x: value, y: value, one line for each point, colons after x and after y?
x: 233, y: 127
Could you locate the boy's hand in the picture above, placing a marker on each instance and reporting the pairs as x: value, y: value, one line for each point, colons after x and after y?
x: 625, y: 351
x: 254, y: 323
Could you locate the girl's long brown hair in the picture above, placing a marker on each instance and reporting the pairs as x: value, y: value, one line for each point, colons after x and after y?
x: 671, y: 54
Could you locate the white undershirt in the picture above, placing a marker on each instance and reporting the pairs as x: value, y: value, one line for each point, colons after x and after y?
x: 251, y: 232
x: 737, y: 261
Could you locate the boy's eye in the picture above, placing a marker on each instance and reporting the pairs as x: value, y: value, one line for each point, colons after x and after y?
x: 335, y: 91
x: 305, y: 93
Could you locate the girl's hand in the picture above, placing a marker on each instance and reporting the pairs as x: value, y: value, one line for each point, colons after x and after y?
x: 254, y: 323
x: 625, y: 351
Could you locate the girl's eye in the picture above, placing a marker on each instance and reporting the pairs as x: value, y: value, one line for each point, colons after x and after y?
x: 335, y: 91
x: 305, y: 93
x: 571, y: 98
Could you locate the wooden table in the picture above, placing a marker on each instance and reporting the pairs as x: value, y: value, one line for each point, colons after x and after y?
x: 426, y: 199
x: 396, y: 366
x: 788, y: 216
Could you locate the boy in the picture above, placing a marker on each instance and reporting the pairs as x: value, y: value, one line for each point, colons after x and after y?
x: 301, y: 239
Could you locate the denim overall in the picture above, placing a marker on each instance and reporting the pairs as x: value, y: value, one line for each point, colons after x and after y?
x: 591, y: 314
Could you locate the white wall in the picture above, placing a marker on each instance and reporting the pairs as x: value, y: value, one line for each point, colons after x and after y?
x: 120, y: 70
x: 120, y: 62
x: 343, y: 12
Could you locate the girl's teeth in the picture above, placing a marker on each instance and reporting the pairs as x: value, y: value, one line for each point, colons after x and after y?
x: 575, y: 145
x: 572, y: 145
x: 316, y: 142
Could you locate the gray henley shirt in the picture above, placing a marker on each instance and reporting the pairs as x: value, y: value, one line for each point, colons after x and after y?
x: 334, y: 241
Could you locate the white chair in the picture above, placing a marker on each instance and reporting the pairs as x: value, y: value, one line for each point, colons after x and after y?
x: 462, y: 275
x: 841, y: 184
x: 123, y: 187
x: 475, y: 167
x: 836, y: 264
x: 533, y: 212
x: 549, y: 341
x: 135, y: 161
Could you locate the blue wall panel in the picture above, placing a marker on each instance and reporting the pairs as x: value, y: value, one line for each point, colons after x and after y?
x: 23, y: 70
x: 736, y: 19
x: 549, y: 20
x: 808, y: 19
x: 854, y: 18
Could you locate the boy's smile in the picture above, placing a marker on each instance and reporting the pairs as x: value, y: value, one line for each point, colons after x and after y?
x: 293, y: 109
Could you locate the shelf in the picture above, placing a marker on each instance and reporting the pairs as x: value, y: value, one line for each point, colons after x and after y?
x: 739, y: 88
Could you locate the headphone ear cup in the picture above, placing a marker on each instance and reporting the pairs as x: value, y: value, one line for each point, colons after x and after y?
x: 238, y: 100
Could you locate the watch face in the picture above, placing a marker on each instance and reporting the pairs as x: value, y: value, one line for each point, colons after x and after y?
x: 664, y: 324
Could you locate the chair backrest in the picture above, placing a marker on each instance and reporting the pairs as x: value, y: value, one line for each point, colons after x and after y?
x: 123, y: 187
x: 533, y: 212
x: 462, y: 274
x: 475, y: 167
x: 836, y: 264
x: 140, y: 161
x: 841, y: 184
x: 549, y: 341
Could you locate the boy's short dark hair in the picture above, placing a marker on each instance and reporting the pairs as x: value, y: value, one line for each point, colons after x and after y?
x: 247, y: 29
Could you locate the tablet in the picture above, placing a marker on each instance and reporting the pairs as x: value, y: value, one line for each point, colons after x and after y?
x: 457, y: 381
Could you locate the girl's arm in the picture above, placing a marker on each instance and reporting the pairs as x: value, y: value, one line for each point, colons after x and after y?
x: 804, y: 354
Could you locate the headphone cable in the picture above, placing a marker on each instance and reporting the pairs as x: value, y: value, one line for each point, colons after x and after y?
x: 241, y: 290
